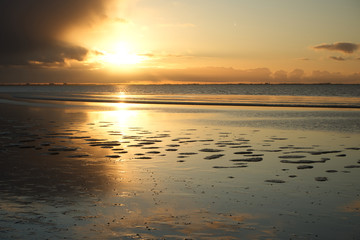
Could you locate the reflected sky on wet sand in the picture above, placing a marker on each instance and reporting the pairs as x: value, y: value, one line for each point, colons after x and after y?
x: 134, y: 171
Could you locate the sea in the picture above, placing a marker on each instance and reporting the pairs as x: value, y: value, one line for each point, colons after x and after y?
x: 281, y: 95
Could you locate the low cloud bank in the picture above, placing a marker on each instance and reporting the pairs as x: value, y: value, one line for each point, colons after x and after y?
x: 174, y: 76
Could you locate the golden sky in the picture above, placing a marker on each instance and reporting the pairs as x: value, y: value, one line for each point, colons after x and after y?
x: 183, y: 41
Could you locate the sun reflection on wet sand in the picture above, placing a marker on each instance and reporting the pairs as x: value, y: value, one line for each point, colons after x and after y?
x: 353, y: 207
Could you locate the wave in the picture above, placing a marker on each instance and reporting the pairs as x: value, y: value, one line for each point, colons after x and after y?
x: 201, y: 100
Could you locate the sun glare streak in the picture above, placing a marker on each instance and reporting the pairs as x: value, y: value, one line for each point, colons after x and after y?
x: 122, y: 95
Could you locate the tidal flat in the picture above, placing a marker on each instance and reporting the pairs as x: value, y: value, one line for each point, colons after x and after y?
x: 133, y: 171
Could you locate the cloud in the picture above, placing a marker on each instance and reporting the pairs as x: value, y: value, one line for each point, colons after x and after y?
x: 280, y: 75
x: 337, y: 58
x: 339, y: 46
x: 31, y: 30
x: 296, y: 74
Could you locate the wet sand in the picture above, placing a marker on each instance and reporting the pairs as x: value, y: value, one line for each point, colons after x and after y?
x: 129, y: 171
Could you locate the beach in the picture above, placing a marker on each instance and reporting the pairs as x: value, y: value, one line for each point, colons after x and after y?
x: 151, y: 171
x: 179, y: 120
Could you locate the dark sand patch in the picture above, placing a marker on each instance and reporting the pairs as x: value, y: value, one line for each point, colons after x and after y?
x: 188, y: 141
x: 106, y: 144
x: 295, y: 148
x: 121, y: 152
x: 45, y: 144
x: 210, y: 150
x: 27, y: 146
x: 143, y: 158
x: 275, y: 181
x: 178, y: 139
x: 173, y: 145
x: 241, y: 146
x: 215, y: 156
x: 269, y: 150
x: 127, y: 137
x: 256, y: 159
x: 245, y: 152
x: 331, y: 171
x: 171, y: 150
x: 27, y: 140
x: 62, y: 149
x: 254, y: 155
x: 150, y: 147
x: 352, y: 166
x: 302, y: 161
x: 79, y: 137
x: 95, y: 139
x: 113, y: 156
x: 242, y: 140
x: 323, y: 152
x: 341, y: 155
x: 292, y: 156
x: 78, y: 156
x: 135, y: 145
x: 147, y: 142
x: 321, y: 179
x: 60, y: 134
x: 224, y: 167
x: 305, y: 167
x: 353, y: 148
x: 51, y: 153
x: 278, y: 138
x: 188, y: 153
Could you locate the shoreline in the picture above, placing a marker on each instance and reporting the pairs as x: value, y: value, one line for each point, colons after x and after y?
x: 196, y: 103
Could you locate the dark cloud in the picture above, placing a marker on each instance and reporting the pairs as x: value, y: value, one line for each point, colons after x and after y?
x: 337, y: 58
x: 340, y: 46
x: 31, y: 29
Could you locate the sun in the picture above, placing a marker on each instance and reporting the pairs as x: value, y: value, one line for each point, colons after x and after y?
x: 120, y: 55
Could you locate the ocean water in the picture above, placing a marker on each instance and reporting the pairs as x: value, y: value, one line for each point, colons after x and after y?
x: 333, y: 96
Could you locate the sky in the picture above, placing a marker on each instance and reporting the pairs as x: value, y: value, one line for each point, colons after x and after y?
x: 179, y: 41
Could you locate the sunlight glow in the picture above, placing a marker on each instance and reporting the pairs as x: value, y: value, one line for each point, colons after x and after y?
x: 120, y: 55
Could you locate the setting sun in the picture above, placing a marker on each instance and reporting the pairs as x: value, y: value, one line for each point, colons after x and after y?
x: 119, y: 56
